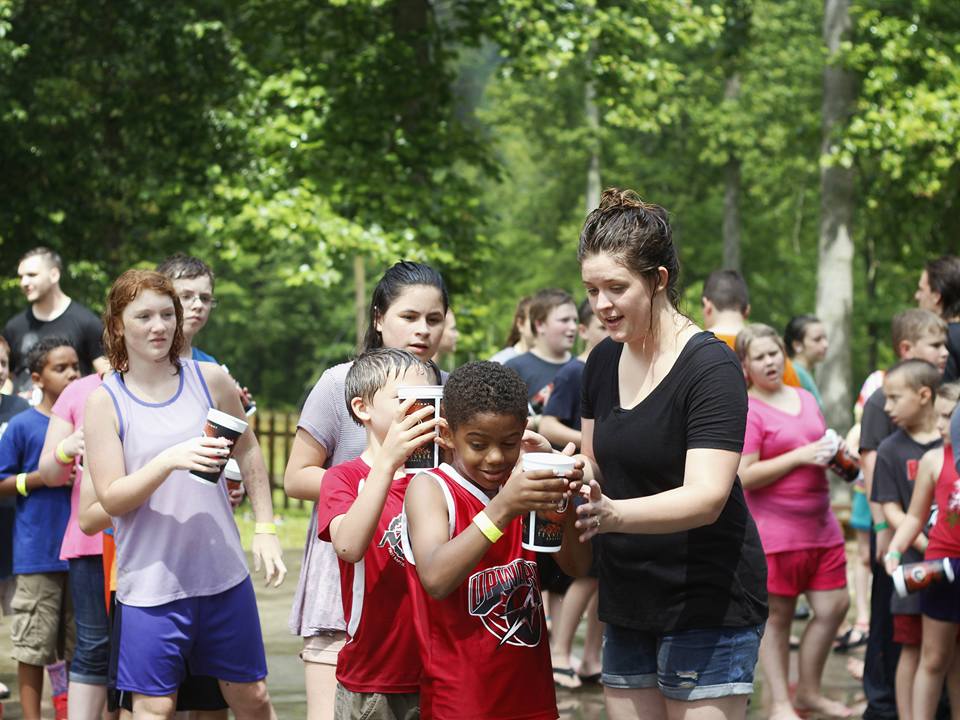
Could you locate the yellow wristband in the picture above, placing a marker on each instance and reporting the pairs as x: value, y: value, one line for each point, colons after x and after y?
x: 490, y: 531
x: 22, y: 484
x: 62, y: 457
x: 265, y: 529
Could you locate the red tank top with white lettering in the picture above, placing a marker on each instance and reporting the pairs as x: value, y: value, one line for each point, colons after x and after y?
x: 485, y: 648
x: 945, y: 536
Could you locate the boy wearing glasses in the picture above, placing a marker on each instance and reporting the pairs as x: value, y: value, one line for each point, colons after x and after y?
x: 193, y: 281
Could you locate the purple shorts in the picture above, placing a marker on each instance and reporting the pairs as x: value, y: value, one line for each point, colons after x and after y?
x: 217, y: 635
x: 941, y: 601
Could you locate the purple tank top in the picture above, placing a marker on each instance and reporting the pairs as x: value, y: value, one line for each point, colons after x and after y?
x: 183, y: 541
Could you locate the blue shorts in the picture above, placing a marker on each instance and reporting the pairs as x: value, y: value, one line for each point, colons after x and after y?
x: 217, y: 635
x: 688, y: 665
x: 941, y: 601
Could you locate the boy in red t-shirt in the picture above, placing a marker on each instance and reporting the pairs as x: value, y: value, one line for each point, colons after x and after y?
x: 378, y: 670
x: 478, y: 609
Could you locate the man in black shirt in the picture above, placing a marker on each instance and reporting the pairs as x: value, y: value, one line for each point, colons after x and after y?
x: 939, y: 292
x: 51, y: 313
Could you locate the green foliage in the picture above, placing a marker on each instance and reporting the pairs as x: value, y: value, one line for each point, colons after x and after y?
x: 279, y: 139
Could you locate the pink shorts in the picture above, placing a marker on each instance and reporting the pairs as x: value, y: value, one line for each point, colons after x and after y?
x: 792, y: 572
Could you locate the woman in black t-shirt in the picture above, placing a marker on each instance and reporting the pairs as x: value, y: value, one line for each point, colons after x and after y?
x: 682, y: 572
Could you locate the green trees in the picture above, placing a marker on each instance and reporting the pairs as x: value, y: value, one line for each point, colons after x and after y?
x: 283, y: 139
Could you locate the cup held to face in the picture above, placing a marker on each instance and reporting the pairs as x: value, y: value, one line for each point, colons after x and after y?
x: 426, y: 456
x: 219, y: 424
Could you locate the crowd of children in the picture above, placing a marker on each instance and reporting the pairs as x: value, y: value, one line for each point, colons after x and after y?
x: 417, y: 596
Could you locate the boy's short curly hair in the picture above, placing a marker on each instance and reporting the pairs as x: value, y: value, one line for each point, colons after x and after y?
x: 37, y: 356
x: 483, y: 387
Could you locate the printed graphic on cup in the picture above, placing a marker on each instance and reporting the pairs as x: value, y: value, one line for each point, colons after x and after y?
x: 426, y: 456
x: 543, y: 531
x: 843, y: 462
x: 231, y: 473
x: 219, y: 424
x: 914, y: 577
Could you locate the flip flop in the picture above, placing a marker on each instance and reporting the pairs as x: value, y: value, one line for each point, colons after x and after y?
x: 847, y: 641
x: 566, y: 678
x: 589, y: 679
x: 4, y: 692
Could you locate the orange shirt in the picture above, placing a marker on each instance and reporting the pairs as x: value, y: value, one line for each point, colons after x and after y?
x: 789, y: 374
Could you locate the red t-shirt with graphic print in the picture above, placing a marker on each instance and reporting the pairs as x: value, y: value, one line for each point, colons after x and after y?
x: 486, y: 653
x: 381, y: 652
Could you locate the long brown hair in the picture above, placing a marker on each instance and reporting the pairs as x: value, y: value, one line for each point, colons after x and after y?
x: 124, y: 291
x: 637, y: 234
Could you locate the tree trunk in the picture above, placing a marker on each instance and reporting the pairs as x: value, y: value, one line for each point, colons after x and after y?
x: 731, y: 192
x: 835, y: 256
x: 593, y: 123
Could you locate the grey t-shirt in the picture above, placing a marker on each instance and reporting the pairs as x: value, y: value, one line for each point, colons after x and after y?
x: 325, y: 417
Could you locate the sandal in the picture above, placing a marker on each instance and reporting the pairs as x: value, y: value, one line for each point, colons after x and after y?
x: 4, y: 692
x: 854, y: 637
x: 566, y: 678
x: 589, y: 679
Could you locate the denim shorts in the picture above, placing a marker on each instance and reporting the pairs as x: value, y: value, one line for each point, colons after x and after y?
x: 92, y: 656
x: 687, y: 665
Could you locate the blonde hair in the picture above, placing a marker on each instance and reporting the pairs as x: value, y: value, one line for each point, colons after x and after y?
x: 756, y: 331
x: 911, y: 325
x: 949, y: 391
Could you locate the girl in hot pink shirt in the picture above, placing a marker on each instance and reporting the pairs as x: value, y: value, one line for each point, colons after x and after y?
x: 783, y: 471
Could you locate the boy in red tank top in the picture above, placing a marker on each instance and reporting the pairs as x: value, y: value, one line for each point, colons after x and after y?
x: 937, y: 486
x: 378, y: 670
x: 478, y: 610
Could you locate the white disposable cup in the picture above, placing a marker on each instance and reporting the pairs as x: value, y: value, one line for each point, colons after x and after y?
x: 219, y: 424
x: 231, y: 472
x: 541, y: 533
x: 426, y: 456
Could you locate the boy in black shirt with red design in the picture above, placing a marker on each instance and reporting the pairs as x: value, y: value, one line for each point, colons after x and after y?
x: 910, y: 390
x: 916, y: 334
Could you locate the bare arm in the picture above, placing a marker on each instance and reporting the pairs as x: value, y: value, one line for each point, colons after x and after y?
x: 756, y: 473
x: 52, y: 472
x: 8, y: 485
x: 707, y: 480
x: 304, y: 473
x: 353, y: 531
x: 91, y: 517
x: 558, y: 433
x: 910, y: 528
x: 868, y: 464
x: 266, y: 547
x: 443, y: 563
